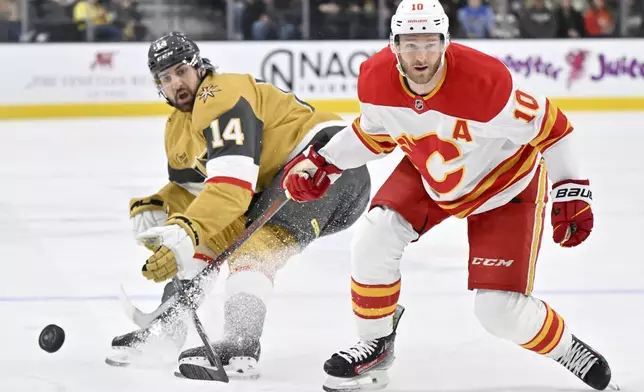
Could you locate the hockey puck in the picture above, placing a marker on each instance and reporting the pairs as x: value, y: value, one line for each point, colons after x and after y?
x: 51, y: 338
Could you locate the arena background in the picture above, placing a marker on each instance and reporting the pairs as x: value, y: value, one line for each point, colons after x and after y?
x: 81, y: 132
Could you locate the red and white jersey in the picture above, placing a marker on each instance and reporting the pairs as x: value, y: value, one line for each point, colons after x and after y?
x: 476, y: 139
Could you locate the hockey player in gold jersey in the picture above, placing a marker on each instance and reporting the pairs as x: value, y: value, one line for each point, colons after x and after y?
x: 226, y: 142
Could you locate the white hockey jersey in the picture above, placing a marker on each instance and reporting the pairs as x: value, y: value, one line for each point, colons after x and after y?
x: 476, y: 140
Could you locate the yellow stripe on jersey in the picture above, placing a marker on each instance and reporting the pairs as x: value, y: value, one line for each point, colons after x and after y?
x: 554, y: 127
x: 508, y: 173
x: 538, y: 225
x: 378, y: 144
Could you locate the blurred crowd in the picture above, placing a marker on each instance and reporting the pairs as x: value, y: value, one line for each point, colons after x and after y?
x: 137, y: 20
x: 70, y: 20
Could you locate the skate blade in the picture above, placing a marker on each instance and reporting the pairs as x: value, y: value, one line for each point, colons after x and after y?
x: 375, y: 379
x: 121, y: 357
x: 129, y: 356
x: 242, y: 368
x: 116, y: 363
x: 613, y: 387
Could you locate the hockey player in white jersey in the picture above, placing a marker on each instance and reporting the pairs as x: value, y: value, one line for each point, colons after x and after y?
x: 476, y: 147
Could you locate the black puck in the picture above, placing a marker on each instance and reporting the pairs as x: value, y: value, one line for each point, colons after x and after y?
x: 51, y: 338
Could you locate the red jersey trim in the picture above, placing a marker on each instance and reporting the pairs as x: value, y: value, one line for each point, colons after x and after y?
x: 232, y: 181
x: 377, y: 144
x: 506, y: 174
x: 554, y: 127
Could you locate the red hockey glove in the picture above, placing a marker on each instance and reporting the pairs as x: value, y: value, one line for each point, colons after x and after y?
x: 572, y: 217
x: 306, y: 177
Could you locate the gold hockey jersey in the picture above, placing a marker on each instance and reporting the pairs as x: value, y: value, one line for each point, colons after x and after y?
x: 240, y: 133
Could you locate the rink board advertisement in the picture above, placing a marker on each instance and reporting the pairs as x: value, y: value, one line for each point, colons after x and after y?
x: 62, y: 80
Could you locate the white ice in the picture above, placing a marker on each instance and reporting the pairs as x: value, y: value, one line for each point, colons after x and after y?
x: 66, y: 246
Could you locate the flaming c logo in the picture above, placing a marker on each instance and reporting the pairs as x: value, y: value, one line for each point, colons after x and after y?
x: 576, y: 59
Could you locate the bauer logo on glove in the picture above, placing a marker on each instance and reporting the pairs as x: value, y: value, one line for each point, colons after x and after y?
x: 572, y: 217
x: 574, y: 192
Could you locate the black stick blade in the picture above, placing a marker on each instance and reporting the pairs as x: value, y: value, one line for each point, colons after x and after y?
x: 197, y: 372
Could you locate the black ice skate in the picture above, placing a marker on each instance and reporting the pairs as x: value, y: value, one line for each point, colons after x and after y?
x: 364, y: 365
x: 162, y: 340
x: 154, y: 344
x: 239, y: 356
x: 125, y: 346
x: 588, y: 365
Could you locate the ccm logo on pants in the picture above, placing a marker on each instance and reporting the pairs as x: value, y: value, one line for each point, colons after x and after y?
x: 492, y: 262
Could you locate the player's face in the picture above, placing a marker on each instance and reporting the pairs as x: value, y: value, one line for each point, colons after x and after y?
x: 420, y: 55
x: 179, y: 84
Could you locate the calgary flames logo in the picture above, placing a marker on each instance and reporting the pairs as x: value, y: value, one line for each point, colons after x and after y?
x: 421, y: 151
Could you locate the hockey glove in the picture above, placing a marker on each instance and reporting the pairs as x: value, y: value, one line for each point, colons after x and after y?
x: 174, y: 245
x: 308, y: 176
x: 572, y: 217
x: 146, y: 213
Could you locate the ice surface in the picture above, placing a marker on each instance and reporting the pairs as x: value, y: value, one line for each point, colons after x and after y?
x: 66, y: 246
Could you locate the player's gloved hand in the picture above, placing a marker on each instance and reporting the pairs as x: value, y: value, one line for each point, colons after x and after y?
x: 308, y: 176
x: 147, y: 212
x: 572, y: 217
x: 174, y: 245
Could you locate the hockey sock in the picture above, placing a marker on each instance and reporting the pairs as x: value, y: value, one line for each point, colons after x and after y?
x: 374, y: 306
x: 525, y: 320
x: 245, y: 306
x: 553, y: 337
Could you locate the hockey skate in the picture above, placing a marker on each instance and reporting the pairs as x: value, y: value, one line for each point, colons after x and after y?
x: 364, y: 365
x: 239, y: 356
x: 239, y: 350
x: 588, y: 365
x: 160, y: 342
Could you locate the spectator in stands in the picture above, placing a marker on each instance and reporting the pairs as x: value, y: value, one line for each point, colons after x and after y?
x: 252, y: 11
x: 90, y: 14
x: 329, y: 19
x: 451, y: 8
x: 276, y: 22
x: 50, y: 20
x: 476, y: 20
x: 9, y: 21
x: 537, y: 21
x: 263, y: 28
x: 288, y: 14
x: 634, y: 20
x: 570, y: 23
x: 506, y: 23
x: 598, y: 20
x: 129, y: 20
x: 363, y: 18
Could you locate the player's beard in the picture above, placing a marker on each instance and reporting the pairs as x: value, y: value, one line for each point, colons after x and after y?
x: 421, y: 76
x: 184, y: 99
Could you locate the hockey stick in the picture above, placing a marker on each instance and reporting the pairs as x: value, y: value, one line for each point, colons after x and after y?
x: 192, y: 294
x: 200, y: 372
